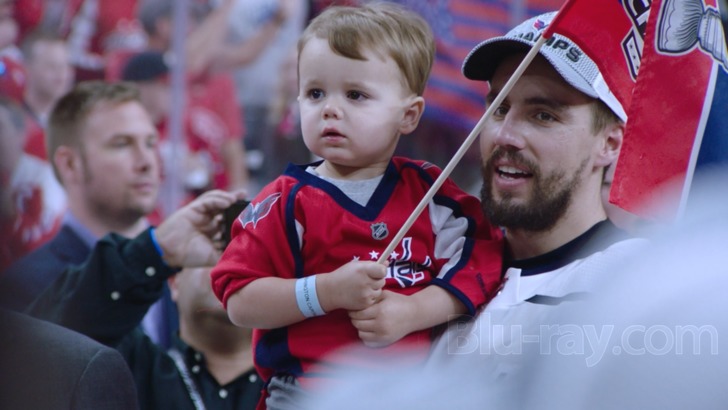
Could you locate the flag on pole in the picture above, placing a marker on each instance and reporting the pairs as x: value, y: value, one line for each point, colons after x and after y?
x: 665, y: 60
x: 678, y: 124
x: 611, y: 33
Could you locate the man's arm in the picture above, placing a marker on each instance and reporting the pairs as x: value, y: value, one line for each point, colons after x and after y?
x: 108, y: 295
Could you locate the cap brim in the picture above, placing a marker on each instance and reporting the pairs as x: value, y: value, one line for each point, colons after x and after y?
x: 578, y: 69
x: 483, y: 60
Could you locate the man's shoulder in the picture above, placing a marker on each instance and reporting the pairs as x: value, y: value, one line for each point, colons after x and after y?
x: 58, y: 362
x: 578, y: 266
x: 29, y: 332
x: 42, y: 256
x: 614, y: 252
x: 588, y: 273
x: 29, y: 275
x: 66, y: 247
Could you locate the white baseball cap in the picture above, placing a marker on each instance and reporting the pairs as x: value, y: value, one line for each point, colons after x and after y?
x: 564, y: 55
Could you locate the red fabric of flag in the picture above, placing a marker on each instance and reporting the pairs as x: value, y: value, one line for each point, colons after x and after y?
x: 684, y: 46
x: 609, y: 32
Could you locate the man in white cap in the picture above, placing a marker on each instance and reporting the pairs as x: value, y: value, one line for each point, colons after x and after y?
x: 544, y: 156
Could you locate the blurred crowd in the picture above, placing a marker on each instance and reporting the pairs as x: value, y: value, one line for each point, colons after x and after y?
x: 219, y: 81
x: 229, y: 123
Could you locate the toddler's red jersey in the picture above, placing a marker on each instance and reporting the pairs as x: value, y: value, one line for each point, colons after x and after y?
x: 301, y: 225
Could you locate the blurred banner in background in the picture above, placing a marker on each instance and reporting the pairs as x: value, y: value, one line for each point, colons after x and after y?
x: 459, y: 25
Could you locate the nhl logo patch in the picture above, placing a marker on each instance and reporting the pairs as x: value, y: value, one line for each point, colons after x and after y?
x: 379, y: 230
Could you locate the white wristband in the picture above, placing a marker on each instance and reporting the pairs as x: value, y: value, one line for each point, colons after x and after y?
x: 307, y: 298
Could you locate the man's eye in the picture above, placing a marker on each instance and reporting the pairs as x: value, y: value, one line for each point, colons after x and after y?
x: 120, y: 143
x: 501, y: 111
x: 544, y: 116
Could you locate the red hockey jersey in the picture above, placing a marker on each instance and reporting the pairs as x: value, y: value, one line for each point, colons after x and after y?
x: 301, y: 225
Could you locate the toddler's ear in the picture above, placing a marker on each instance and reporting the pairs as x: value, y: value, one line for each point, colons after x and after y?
x: 413, y: 113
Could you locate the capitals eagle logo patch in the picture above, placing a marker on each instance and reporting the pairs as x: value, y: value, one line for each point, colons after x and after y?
x: 255, y: 212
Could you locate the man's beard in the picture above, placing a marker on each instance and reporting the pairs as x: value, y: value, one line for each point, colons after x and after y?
x: 550, y: 197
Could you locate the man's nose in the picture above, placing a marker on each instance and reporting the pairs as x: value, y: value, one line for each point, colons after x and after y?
x: 146, y: 157
x: 507, y: 132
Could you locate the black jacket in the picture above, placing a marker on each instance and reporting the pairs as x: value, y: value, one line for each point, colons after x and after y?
x: 106, y: 299
x: 45, y: 366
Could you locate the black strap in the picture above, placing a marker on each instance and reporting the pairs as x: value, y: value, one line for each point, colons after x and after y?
x: 186, y: 378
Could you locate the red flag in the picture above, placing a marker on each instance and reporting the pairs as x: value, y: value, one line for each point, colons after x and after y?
x: 681, y: 120
x: 610, y: 33
x: 663, y: 61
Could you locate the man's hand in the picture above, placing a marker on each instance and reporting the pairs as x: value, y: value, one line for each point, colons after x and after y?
x: 354, y: 286
x: 187, y: 237
x: 386, y: 321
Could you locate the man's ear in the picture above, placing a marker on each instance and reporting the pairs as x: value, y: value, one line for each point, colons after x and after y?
x: 68, y: 164
x: 612, y: 137
x: 413, y: 113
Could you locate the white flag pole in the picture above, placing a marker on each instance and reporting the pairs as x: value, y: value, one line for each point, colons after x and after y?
x: 463, y: 148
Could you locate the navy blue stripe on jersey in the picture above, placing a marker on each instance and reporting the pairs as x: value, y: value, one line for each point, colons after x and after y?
x: 272, y: 351
x: 457, y: 211
x: 468, y: 244
x: 471, y: 309
x: 443, y: 199
x: 598, y: 237
x: 292, y: 233
x: 421, y: 170
x: 465, y: 255
x: 557, y: 300
x: 381, y: 196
